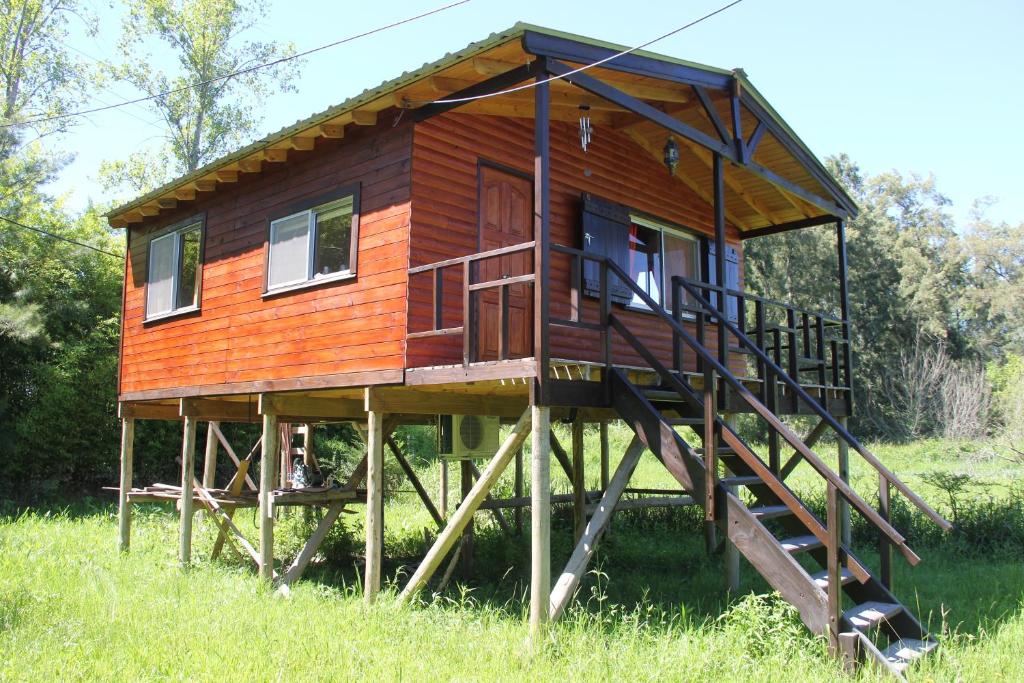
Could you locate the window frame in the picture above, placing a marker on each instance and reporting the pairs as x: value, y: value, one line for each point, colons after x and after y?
x: 662, y: 227
x: 176, y: 230
x: 309, y: 207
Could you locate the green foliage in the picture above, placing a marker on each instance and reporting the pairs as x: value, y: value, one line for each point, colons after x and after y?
x: 206, y: 40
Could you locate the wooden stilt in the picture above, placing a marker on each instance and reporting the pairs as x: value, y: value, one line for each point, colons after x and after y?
x: 210, y: 457
x: 464, y: 513
x: 188, y: 466
x: 732, y: 553
x: 540, y: 518
x: 410, y: 473
x: 587, y: 543
x: 579, y: 487
x: 124, y: 509
x: 442, y: 488
x: 374, y: 503
x: 604, y: 454
x: 844, y: 474
x: 268, y: 477
x: 466, y: 485
x: 308, y: 448
x: 517, y: 487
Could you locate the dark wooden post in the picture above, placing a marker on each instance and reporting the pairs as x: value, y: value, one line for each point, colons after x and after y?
x: 541, y: 231
x: 719, y: 197
x: 844, y: 313
x: 466, y: 485
x: 834, y: 567
x: 124, y: 508
x: 884, y: 546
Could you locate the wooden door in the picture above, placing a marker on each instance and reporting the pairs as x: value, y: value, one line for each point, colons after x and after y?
x: 505, y: 218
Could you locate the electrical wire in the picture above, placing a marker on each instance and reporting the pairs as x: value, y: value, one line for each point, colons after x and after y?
x: 254, y: 67
x: 534, y: 84
x: 59, y: 237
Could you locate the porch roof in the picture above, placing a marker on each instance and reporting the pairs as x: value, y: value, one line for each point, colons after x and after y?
x: 774, y: 181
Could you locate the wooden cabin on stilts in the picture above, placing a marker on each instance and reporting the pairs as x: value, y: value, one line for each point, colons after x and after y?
x: 454, y: 243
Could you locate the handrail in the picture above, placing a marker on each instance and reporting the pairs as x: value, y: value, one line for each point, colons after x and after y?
x: 870, y: 513
x: 500, y: 251
x: 820, y: 411
x: 738, y: 293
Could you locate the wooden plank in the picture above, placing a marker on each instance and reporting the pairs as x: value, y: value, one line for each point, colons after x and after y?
x: 149, y: 411
x: 210, y: 456
x: 410, y: 400
x: 410, y: 473
x: 364, y: 117
x: 235, y: 486
x: 308, y: 407
x: 561, y: 456
x: 234, y: 458
x: 188, y: 460
x: 586, y: 544
x: 495, y: 511
x: 124, y: 510
x: 374, y: 503
x: 462, y: 516
x: 268, y: 475
x: 540, y: 520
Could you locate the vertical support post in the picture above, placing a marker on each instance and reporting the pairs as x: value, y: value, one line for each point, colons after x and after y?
x: 579, y: 486
x: 188, y: 467
x: 540, y: 518
x: 268, y: 476
x: 723, y: 307
x: 606, y: 310
x: 844, y: 313
x: 466, y: 485
x: 518, y: 490
x: 442, y: 488
x: 884, y: 547
x: 210, y: 456
x: 710, y: 458
x: 834, y: 568
x: 844, y: 474
x: 604, y: 456
x: 124, y: 509
x: 374, y: 503
x: 732, y: 553
x: 308, y: 447
x: 542, y: 231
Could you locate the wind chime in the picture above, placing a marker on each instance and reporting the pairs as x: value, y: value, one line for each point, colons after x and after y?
x: 586, y: 131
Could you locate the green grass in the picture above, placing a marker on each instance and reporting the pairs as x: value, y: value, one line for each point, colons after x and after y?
x: 71, y: 608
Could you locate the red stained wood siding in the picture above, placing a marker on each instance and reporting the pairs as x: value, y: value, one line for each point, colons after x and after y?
x: 447, y: 151
x: 239, y: 338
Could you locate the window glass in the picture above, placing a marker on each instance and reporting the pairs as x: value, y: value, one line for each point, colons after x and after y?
x: 680, y: 259
x: 645, y: 262
x: 188, y: 283
x: 289, y: 250
x: 160, y: 284
x: 333, y: 238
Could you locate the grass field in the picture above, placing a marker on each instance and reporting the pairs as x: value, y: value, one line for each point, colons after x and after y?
x: 654, y: 608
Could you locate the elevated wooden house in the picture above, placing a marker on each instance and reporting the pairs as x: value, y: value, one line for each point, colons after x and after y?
x: 537, y: 226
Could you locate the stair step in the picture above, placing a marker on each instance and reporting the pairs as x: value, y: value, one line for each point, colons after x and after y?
x: 747, y: 480
x: 683, y: 421
x: 663, y: 395
x: 800, y: 544
x: 904, y: 651
x: 871, y: 614
x: 770, y: 511
x: 821, y: 578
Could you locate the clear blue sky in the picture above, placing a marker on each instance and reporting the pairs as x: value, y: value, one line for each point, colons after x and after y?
x: 918, y: 86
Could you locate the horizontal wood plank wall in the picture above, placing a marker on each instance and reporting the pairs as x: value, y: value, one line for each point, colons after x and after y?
x: 446, y: 151
x: 240, y: 341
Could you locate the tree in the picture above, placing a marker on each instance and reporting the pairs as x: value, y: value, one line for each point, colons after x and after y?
x: 208, y: 107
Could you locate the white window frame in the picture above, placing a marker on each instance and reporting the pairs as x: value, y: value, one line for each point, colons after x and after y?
x: 311, y: 277
x: 175, y: 232
x: 665, y: 286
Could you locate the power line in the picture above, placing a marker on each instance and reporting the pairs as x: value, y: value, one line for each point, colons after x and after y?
x: 59, y: 237
x: 534, y: 84
x: 246, y: 70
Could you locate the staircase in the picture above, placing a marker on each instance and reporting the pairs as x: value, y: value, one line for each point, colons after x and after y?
x: 800, y: 555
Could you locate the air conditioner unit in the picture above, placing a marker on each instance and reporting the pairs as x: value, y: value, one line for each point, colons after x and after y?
x: 466, y: 437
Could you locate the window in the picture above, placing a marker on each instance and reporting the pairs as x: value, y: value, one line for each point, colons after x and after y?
x: 174, y: 272
x: 314, y: 245
x: 657, y: 253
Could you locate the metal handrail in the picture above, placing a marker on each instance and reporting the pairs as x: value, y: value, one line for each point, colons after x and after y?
x: 820, y: 411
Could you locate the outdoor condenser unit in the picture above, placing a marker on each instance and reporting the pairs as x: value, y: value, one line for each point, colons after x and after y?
x: 466, y: 437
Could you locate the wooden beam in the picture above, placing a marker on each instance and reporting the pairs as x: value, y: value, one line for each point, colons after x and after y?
x: 410, y: 400
x: 496, y: 512
x: 604, y: 455
x: 374, y: 503
x: 251, y: 164
x: 205, y: 184
x: 235, y: 486
x: 491, y: 67
x: 133, y: 216
x: 410, y: 473
x: 268, y: 476
x: 167, y: 202
x: 188, y: 462
x: 227, y: 176
x: 234, y: 458
x: 332, y: 130
x: 303, y: 408
x: 586, y: 544
x: 117, y: 222
x: 705, y: 158
x: 149, y: 411
x: 124, y: 510
x: 301, y: 142
x: 364, y: 117
x: 462, y: 516
x: 540, y: 521
x: 217, y: 410
x: 185, y: 193
x: 210, y: 456
x: 494, y: 84
x: 275, y: 156
x: 149, y: 209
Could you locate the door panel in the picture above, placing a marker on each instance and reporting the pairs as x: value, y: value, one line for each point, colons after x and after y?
x: 505, y: 219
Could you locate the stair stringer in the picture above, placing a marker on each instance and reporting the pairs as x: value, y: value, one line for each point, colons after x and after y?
x: 750, y: 537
